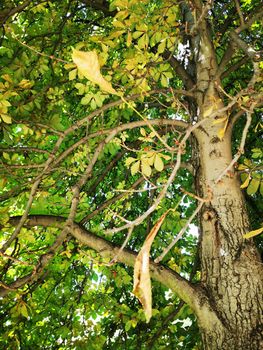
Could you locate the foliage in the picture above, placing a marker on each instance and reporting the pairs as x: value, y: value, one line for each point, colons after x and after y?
x: 97, y: 148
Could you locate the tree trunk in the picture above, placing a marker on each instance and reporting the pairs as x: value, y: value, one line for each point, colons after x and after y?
x: 231, y: 268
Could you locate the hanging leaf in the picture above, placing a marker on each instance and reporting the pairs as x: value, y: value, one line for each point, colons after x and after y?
x: 253, y: 233
x: 246, y: 182
x: 222, y: 131
x: 141, y: 280
x: 88, y: 65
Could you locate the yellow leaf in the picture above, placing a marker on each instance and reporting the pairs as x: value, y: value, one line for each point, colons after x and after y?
x: 88, y: 65
x: 145, y: 167
x: 141, y: 279
x: 129, y: 39
x: 158, y: 163
x: 129, y: 160
x: 161, y: 46
x: 25, y: 84
x: 7, y: 78
x: 142, y: 131
x: 253, y: 233
x: 72, y: 74
x: 6, y: 118
x: 222, y: 131
x: 150, y: 159
x: 246, y: 182
x: 23, y: 310
x: 135, y: 167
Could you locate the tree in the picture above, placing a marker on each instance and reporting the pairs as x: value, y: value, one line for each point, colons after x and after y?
x: 148, y: 128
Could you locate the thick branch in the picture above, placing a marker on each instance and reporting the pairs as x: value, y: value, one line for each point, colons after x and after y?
x: 192, y: 295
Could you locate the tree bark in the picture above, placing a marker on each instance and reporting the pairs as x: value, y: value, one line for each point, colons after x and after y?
x: 231, y: 270
x: 230, y: 265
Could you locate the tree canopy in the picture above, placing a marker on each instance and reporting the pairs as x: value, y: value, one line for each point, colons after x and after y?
x: 101, y: 112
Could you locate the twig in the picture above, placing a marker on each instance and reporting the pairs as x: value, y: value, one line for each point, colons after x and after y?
x: 139, y: 191
x: 115, y: 258
x: 241, y: 147
x: 149, y: 125
x: 14, y: 259
x: 205, y: 10
x: 34, y: 50
x: 180, y: 234
x: 208, y: 199
x: 240, y: 14
x: 162, y: 194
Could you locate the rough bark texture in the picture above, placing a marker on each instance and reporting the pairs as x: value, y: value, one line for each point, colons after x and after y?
x: 231, y: 268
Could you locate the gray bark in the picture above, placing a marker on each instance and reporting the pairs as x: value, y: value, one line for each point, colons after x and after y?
x: 231, y: 268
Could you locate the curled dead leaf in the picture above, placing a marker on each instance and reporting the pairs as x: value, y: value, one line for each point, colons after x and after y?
x: 142, y: 280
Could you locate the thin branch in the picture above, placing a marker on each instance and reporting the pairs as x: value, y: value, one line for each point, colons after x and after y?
x: 202, y: 17
x: 162, y: 194
x: 233, y: 67
x: 35, y: 50
x: 165, y: 322
x: 24, y: 149
x: 240, y: 150
x: 99, y: 179
x: 14, y: 259
x: 77, y: 187
x: 38, y: 269
x: 182, y: 73
x: 180, y: 234
x: 256, y: 15
x: 121, y: 128
x: 125, y: 192
x: 248, y: 50
x: 240, y: 14
x: 115, y: 258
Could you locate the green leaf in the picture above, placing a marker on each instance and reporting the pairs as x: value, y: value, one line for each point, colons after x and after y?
x: 6, y: 156
x: 86, y: 99
x: 128, y: 326
x: 253, y: 186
